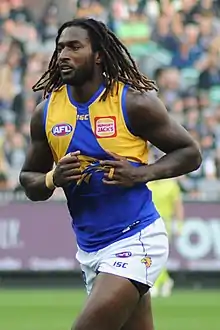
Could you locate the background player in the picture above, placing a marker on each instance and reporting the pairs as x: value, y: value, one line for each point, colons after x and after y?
x: 167, y: 198
x: 94, y: 125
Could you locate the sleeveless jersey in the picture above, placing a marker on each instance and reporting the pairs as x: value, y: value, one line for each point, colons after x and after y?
x: 101, y: 214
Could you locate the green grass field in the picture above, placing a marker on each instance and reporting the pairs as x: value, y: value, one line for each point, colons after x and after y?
x: 56, y: 309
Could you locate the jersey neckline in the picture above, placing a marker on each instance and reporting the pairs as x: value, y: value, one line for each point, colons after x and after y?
x: 89, y: 102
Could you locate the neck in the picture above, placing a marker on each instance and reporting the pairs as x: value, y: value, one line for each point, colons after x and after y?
x: 83, y: 94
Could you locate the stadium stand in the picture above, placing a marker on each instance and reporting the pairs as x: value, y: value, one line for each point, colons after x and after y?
x: 175, y: 42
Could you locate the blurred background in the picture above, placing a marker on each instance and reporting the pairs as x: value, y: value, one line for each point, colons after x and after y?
x: 177, y: 43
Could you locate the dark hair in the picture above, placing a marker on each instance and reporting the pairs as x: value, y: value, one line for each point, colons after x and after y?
x: 118, y: 65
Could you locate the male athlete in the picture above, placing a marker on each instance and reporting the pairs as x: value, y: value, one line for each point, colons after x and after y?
x: 94, y: 123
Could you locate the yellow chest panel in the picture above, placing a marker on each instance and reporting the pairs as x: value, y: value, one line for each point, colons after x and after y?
x: 93, y: 128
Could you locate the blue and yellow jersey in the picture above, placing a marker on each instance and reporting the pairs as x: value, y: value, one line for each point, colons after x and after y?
x: 101, y: 214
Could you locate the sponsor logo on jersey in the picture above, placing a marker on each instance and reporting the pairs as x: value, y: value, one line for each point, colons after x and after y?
x: 105, y: 127
x: 125, y: 254
x: 82, y: 117
x: 147, y: 261
x: 62, y: 129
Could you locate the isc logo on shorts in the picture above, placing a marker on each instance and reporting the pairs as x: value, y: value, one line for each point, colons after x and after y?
x: 62, y: 129
x: 105, y: 127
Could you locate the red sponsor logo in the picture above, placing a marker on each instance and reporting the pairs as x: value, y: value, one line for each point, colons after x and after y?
x: 105, y: 127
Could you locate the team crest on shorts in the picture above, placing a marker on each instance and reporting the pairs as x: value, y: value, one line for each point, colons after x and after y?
x: 147, y: 261
x: 105, y: 127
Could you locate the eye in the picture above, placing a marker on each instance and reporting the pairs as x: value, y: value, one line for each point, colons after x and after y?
x: 59, y: 49
x: 75, y: 48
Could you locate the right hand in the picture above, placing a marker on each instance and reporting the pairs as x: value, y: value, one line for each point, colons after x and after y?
x: 67, y: 170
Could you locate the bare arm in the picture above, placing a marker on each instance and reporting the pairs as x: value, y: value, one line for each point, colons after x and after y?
x: 150, y: 120
x: 39, y: 160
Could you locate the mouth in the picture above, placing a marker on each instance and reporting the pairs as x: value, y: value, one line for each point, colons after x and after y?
x: 66, y: 69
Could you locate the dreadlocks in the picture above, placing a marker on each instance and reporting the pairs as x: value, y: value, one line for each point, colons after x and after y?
x: 118, y: 65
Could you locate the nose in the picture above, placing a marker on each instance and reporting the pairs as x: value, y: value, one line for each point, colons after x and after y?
x: 64, y: 54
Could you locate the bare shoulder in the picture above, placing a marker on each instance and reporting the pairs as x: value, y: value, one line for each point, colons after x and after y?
x: 37, y: 121
x: 39, y: 111
x: 144, y: 104
x: 39, y: 157
x: 150, y: 120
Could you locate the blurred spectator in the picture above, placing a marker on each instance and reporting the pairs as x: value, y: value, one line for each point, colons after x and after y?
x: 134, y: 29
x: 211, y: 75
x: 208, y: 29
x: 189, y: 50
x: 5, y: 10
x: 92, y: 8
x: 175, y: 42
x: 49, y: 24
x: 190, y: 10
x: 163, y: 35
x: 19, y: 9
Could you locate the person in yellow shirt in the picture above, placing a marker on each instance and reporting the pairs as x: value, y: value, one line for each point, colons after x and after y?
x: 167, y: 198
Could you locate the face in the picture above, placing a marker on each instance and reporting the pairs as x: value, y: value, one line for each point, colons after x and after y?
x: 188, y: 4
x: 4, y: 7
x: 163, y: 25
x: 190, y: 102
x: 172, y: 79
x: 9, y: 130
x: 76, y: 60
x: 192, y: 33
x: 17, y: 3
x: 214, y: 59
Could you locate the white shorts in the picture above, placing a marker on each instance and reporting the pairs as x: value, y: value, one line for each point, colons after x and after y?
x: 140, y: 257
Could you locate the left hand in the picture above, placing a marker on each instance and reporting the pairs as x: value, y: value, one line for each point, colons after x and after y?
x: 120, y: 172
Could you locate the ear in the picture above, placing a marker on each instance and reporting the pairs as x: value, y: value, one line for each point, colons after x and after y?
x: 98, y: 58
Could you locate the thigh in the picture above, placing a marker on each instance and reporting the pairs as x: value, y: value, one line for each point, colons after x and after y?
x: 142, y: 317
x: 111, y: 302
x: 89, y: 276
x: 88, y: 264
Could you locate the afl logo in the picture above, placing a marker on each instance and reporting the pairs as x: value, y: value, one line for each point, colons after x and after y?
x: 62, y: 129
x: 125, y: 254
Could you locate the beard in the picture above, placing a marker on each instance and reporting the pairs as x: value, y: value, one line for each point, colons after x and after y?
x: 80, y: 75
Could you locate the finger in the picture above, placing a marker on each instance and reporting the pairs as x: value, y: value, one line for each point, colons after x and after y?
x: 75, y: 153
x: 106, y: 169
x: 71, y: 173
x: 71, y: 166
x: 115, y: 156
x: 71, y: 154
x: 113, y: 177
x: 68, y: 159
x: 111, y: 182
x: 72, y: 178
x: 111, y: 163
x: 117, y: 172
